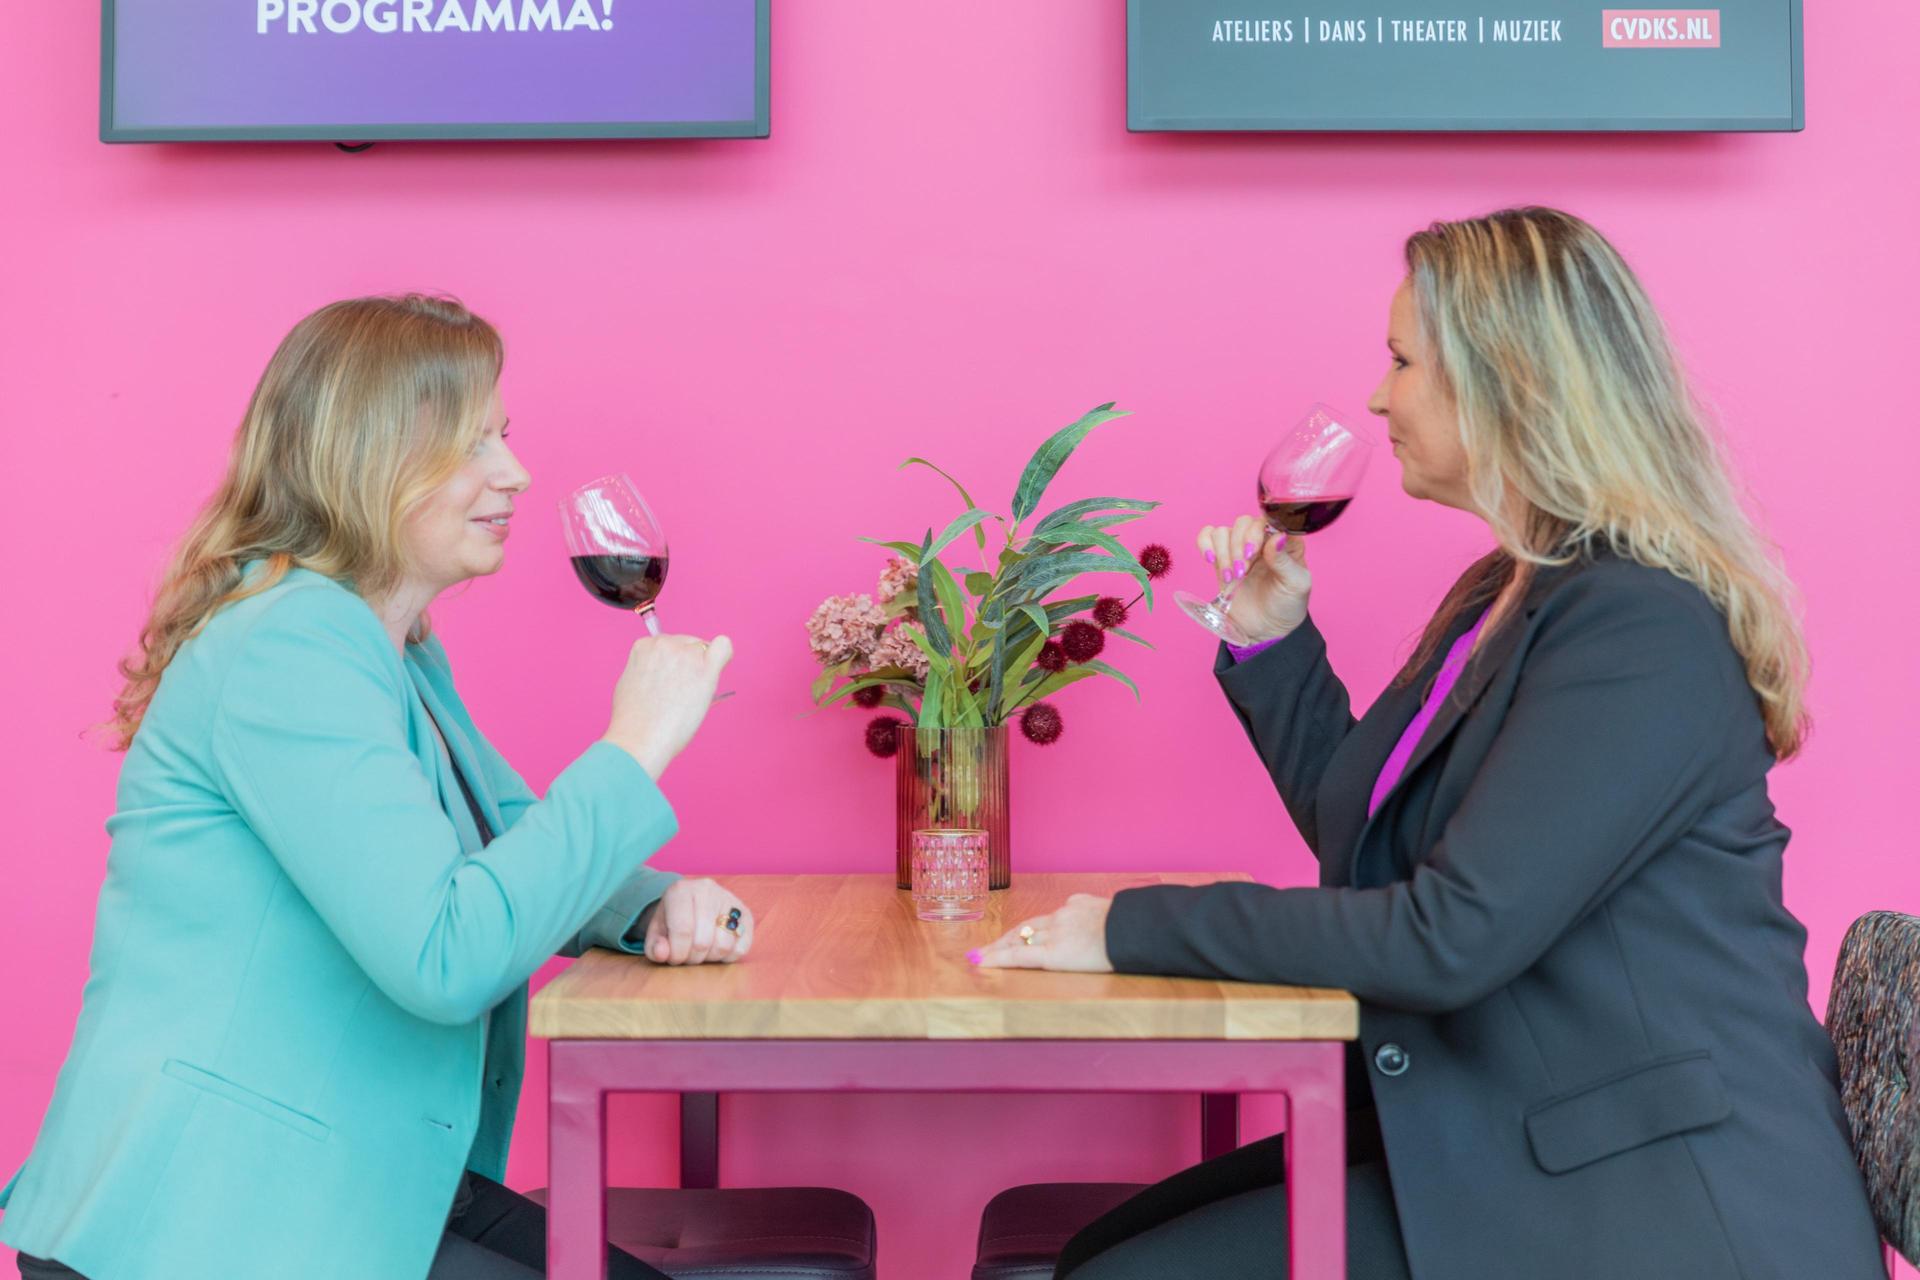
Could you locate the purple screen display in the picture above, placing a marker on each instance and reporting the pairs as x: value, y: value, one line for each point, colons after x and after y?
x: 213, y: 64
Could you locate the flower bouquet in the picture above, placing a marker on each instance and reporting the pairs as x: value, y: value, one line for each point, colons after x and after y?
x: 964, y: 653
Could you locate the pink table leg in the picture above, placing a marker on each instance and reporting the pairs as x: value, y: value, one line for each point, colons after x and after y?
x: 576, y: 1165
x: 1316, y: 1146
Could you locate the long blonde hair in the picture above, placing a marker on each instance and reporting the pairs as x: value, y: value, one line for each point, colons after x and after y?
x: 1571, y: 400
x: 366, y: 408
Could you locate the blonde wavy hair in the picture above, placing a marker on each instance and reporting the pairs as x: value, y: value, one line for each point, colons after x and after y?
x: 1579, y: 430
x: 366, y: 408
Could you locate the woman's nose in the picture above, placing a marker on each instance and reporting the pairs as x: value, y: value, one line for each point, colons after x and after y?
x: 1377, y: 402
x: 515, y: 479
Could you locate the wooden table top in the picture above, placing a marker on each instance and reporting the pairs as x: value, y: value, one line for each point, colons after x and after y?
x: 841, y: 957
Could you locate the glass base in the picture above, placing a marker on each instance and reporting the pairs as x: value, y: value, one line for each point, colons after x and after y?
x: 948, y: 912
x: 1212, y: 615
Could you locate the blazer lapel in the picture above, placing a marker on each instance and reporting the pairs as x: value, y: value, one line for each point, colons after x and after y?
x: 462, y: 751
x: 1492, y: 657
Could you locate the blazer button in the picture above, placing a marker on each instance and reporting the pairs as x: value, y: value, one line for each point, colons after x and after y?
x: 1392, y: 1060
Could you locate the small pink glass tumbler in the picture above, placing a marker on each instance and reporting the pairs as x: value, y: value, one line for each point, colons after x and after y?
x: 949, y: 874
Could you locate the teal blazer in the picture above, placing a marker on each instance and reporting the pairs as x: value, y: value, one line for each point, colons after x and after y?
x: 305, y: 1010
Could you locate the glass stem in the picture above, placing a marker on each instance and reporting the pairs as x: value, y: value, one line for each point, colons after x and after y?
x: 646, y: 615
x: 1224, y: 601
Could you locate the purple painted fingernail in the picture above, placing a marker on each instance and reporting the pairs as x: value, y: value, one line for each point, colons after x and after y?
x: 1239, y: 568
x: 973, y: 957
x: 1251, y: 548
x: 1210, y: 557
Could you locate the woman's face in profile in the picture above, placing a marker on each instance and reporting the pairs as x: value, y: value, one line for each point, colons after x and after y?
x: 1422, y: 418
x: 460, y: 531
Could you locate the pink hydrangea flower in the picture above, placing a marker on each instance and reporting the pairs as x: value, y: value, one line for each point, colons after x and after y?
x: 900, y: 577
x: 845, y: 627
x: 897, y: 649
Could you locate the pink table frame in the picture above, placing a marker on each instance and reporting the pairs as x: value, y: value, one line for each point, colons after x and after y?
x: 581, y: 1073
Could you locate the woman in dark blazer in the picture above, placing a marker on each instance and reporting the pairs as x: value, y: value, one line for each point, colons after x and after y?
x: 1586, y: 1050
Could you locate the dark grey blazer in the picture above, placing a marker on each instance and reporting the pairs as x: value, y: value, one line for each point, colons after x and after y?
x: 1584, y: 1005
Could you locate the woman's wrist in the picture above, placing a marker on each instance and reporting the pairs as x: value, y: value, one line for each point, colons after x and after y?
x: 653, y: 761
x: 1262, y: 640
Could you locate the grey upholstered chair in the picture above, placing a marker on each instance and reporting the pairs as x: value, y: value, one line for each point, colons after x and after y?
x: 1874, y: 1019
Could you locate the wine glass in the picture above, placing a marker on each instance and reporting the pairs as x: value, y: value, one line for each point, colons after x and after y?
x: 1305, y: 484
x: 618, y: 547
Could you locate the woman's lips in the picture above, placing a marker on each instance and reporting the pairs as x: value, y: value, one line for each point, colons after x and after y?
x: 497, y: 530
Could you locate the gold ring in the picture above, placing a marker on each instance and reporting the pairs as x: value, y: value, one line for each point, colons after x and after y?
x: 1026, y: 934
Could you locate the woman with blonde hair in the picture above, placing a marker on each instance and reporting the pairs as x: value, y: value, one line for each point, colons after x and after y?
x: 1549, y: 867
x: 301, y: 1040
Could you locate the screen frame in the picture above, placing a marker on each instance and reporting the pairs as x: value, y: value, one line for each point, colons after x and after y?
x: 1141, y: 120
x: 759, y: 126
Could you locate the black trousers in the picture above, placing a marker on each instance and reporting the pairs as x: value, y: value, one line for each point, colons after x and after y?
x: 1228, y: 1217
x: 492, y: 1233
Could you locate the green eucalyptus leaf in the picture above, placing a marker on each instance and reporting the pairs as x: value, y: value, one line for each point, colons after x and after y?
x: 1058, y: 681
x: 1124, y: 634
x: 937, y: 634
x: 1087, y: 506
x: 902, y: 682
x: 911, y: 550
x: 954, y: 530
x: 1090, y: 537
x: 828, y: 675
x: 979, y: 535
x: 1039, y: 618
x: 1022, y: 665
x: 949, y: 593
x: 1117, y: 674
x: 978, y: 583
x: 933, y: 701
x: 1042, y: 573
x: 919, y: 637
x: 1047, y: 460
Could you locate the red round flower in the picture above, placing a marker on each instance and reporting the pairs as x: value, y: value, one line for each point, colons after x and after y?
x: 1041, y: 723
x: 882, y: 739
x: 1082, y: 640
x: 1052, y: 657
x: 870, y: 697
x: 1156, y: 560
x: 1110, y: 611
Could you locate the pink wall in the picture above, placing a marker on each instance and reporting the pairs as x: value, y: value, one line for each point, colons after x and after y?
x: 949, y: 247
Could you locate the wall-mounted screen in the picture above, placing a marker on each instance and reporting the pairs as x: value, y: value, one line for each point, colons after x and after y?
x: 1542, y: 65
x: 361, y: 70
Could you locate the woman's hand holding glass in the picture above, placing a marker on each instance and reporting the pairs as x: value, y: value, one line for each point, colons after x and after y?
x: 689, y: 925
x: 1263, y: 574
x: 663, y: 696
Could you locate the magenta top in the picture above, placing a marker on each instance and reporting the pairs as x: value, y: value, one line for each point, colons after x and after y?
x: 1456, y: 662
x: 1443, y: 682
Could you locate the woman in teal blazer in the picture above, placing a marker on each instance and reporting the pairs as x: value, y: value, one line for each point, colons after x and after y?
x: 301, y: 1040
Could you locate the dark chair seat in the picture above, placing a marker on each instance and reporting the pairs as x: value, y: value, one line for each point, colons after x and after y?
x: 743, y: 1233
x: 1023, y: 1229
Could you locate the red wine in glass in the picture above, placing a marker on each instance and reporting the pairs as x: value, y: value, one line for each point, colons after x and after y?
x: 1293, y: 515
x: 625, y: 582
x: 1305, y: 483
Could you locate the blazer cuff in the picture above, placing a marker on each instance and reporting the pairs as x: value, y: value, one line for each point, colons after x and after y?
x: 1285, y: 661
x: 1142, y: 925
x: 609, y: 926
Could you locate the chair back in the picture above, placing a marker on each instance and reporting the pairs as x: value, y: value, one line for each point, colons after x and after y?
x: 1874, y: 1019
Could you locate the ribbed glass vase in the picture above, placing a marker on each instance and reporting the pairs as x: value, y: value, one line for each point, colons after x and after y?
x: 952, y: 779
